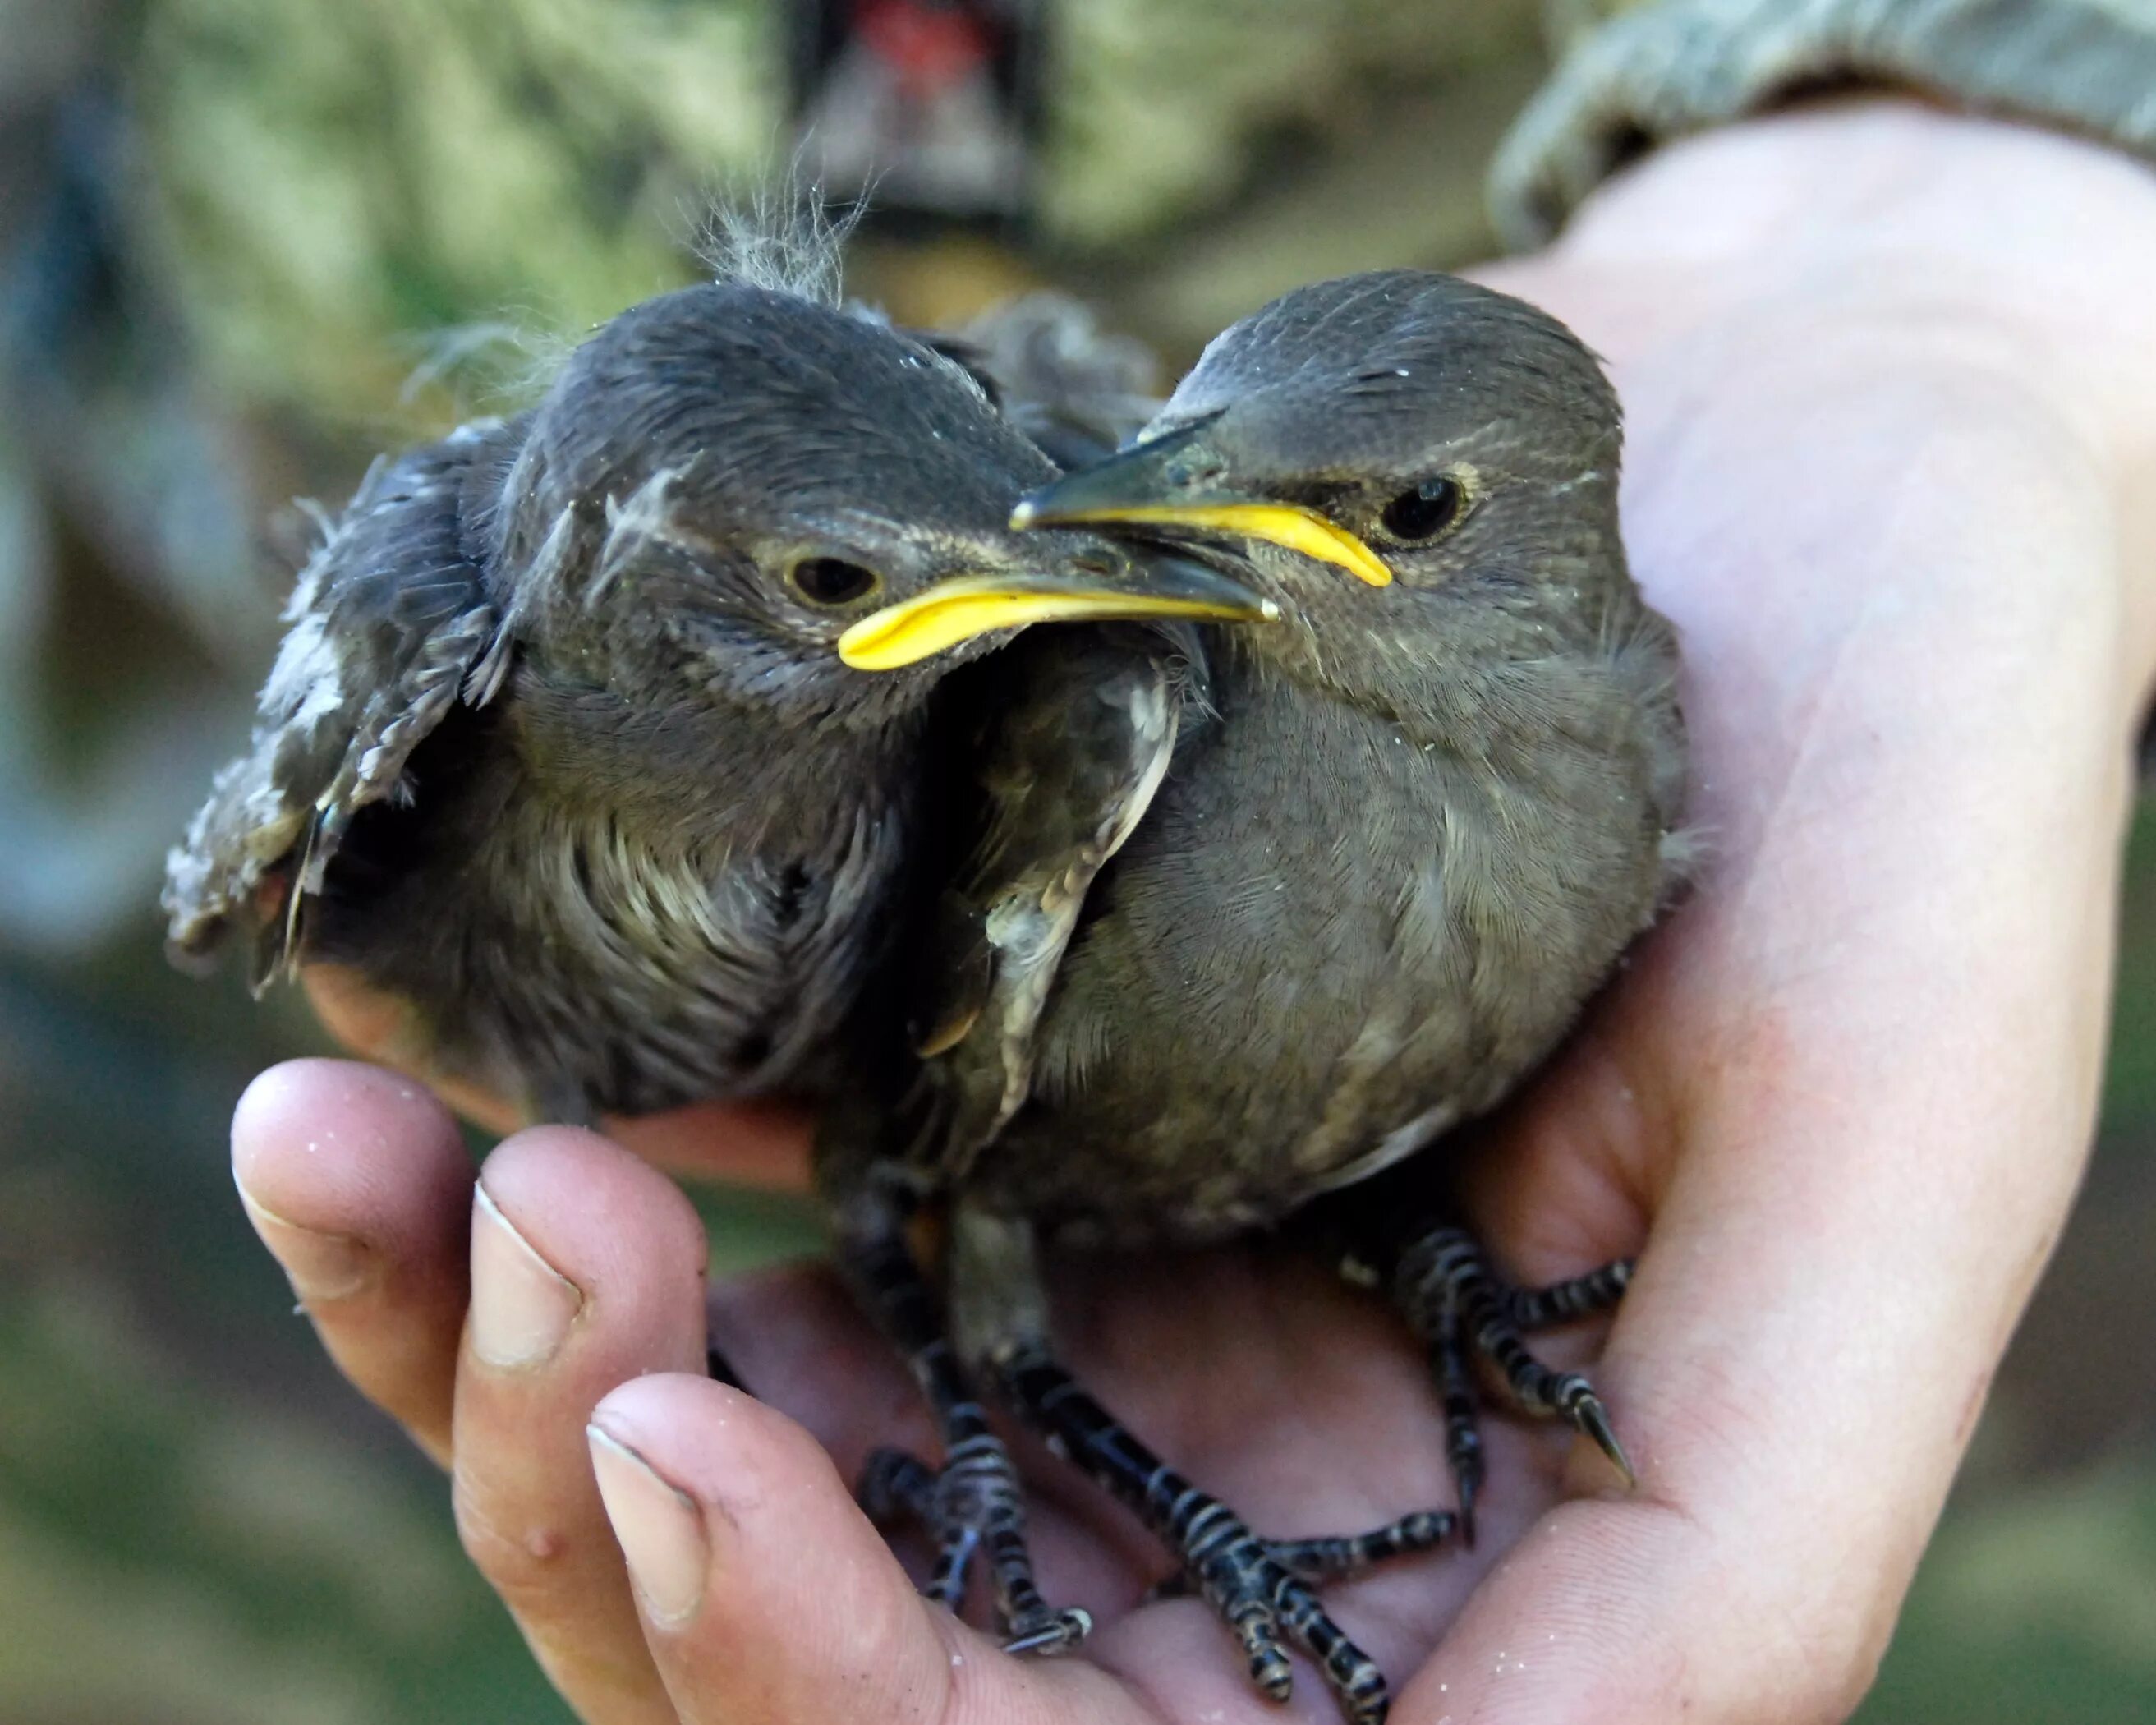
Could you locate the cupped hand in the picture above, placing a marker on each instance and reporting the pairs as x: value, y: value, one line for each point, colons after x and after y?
x: 1890, y: 443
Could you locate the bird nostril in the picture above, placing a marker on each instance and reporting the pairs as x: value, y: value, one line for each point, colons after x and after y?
x: 1096, y: 563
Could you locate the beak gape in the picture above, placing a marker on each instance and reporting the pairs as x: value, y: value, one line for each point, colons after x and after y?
x: 962, y: 607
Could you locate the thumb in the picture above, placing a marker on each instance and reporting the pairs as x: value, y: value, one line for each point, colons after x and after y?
x: 767, y: 1594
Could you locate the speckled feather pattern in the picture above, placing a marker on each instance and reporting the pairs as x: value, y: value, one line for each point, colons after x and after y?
x: 549, y: 757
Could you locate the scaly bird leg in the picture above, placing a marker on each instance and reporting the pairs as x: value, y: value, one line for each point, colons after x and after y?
x: 1262, y: 1589
x: 1586, y: 1296
x: 1443, y: 1284
x: 974, y: 1504
x: 1339, y: 1557
x: 1255, y: 1595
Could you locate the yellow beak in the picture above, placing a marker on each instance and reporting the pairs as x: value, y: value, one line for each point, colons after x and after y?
x: 964, y: 606
x: 1284, y: 524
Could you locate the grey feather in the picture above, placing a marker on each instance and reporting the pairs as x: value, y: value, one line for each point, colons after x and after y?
x: 1084, y: 723
x: 1077, y: 391
x: 386, y: 621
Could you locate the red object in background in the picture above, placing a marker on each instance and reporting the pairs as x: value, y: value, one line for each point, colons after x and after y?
x: 929, y: 47
x: 928, y: 103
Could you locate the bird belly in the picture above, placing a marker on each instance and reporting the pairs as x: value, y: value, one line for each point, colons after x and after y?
x: 1298, y: 981
x: 596, y: 975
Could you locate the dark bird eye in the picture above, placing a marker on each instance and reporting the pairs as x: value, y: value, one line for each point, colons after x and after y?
x: 832, y: 581
x: 1428, y: 509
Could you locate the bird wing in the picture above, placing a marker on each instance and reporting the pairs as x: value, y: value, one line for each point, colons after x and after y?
x: 1076, y: 392
x: 1080, y: 727
x: 390, y: 622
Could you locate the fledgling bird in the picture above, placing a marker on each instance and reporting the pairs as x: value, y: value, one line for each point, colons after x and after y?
x: 573, y: 748
x: 1350, y: 901
x: 612, y: 743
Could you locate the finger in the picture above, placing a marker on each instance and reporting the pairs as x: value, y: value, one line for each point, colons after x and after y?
x: 587, y: 1270
x: 359, y: 1184
x: 761, y: 1143
x: 767, y: 1595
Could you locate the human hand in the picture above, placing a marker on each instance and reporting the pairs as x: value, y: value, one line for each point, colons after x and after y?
x: 1890, y: 452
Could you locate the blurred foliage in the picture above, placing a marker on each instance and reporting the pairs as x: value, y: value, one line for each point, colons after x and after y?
x: 242, y: 243
x: 327, y: 179
x: 329, y: 182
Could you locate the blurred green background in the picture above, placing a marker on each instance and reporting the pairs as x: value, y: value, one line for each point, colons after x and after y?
x: 245, y: 244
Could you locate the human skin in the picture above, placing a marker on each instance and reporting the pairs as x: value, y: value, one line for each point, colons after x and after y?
x: 1892, y: 470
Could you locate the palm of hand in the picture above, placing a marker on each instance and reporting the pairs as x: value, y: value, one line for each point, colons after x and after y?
x: 1297, y: 1400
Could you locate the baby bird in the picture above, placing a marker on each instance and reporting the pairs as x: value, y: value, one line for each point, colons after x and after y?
x: 575, y: 748
x: 1395, y: 842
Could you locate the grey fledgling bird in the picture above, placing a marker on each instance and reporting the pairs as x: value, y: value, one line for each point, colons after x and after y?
x: 1359, y: 892
x: 572, y: 747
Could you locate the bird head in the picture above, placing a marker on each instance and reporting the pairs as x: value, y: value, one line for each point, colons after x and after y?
x: 738, y: 495
x: 1391, y: 454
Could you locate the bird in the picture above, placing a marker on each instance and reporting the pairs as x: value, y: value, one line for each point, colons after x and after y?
x: 581, y: 745
x: 610, y: 742
x: 1357, y: 885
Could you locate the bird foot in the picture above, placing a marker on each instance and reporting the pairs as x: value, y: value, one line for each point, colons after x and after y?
x: 1314, y: 1561
x: 1443, y: 1285
x: 973, y: 1505
x: 1264, y: 1590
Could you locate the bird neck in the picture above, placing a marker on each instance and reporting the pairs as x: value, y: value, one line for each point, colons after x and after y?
x: 1469, y: 673
x: 706, y: 773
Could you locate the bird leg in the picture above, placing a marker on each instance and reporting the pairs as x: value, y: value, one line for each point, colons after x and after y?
x: 1264, y: 1590
x: 1443, y: 1284
x: 1598, y: 1291
x: 975, y: 1503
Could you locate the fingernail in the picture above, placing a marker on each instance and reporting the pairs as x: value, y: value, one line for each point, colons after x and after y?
x: 661, y: 1529
x: 522, y: 1306
x: 319, y: 1266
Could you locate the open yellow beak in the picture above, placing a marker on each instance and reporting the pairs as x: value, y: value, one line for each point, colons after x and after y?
x: 1285, y: 524
x: 958, y: 610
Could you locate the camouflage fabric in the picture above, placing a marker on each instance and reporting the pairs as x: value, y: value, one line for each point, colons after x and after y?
x: 1665, y: 68
x: 330, y: 181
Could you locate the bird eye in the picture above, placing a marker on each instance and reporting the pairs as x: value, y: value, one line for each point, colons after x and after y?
x: 832, y: 581
x: 1430, y: 508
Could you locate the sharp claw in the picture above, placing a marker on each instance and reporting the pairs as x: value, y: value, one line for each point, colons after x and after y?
x: 1588, y: 1414
x: 1065, y: 1631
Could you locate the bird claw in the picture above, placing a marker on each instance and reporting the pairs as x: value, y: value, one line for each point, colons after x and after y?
x: 1593, y: 1420
x: 1258, y: 1596
x: 1444, y: 1287
x: 1044, y: 1638
x: 1268, y: 1605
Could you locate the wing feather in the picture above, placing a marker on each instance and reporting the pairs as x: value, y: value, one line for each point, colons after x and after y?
x: 1075, y: 391
x: 1083, y: 724
x: 387, y: 623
